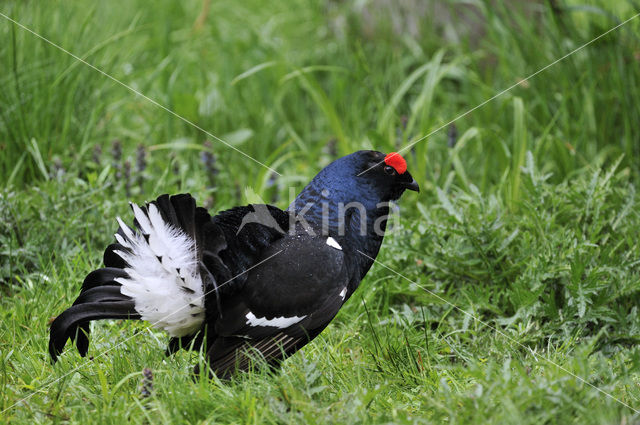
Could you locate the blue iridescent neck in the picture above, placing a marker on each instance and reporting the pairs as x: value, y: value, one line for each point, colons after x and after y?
x: 349, y: 208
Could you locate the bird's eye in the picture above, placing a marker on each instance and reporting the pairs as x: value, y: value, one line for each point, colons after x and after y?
x: 389, y: 170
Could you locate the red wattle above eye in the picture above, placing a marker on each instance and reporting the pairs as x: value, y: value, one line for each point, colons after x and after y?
x: 396, y: 161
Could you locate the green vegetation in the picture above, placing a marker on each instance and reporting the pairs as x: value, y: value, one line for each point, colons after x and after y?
x: 528, y: 219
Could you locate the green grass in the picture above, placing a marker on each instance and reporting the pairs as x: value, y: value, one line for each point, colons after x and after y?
x: 528, y: 222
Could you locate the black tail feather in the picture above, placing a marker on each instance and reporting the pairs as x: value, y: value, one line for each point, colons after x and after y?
x: 66, y: 325
x: 179, y: 210
x: 111, y: 259
x: 101, y: 277
x: 185, y: 207
x: 100, y: 298
x: 101, y: 294
x: 166, y: 209
x: 93, y: 290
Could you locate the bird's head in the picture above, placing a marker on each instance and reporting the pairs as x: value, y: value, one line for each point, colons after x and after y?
x: 367, y: 177
x: 349, y: 200
x: 385, y: 174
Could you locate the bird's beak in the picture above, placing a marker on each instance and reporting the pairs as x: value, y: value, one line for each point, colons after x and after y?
x: 412, y: 185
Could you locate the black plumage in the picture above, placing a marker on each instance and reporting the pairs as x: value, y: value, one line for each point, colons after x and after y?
x: 250, y: 282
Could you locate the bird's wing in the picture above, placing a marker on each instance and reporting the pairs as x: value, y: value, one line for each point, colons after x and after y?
x: 286, y: 302
x: 248, y: 230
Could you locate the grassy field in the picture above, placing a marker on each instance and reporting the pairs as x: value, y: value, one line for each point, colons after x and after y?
x: 509, y: 289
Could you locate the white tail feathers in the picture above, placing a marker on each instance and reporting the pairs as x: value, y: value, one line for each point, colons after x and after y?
x: 163, y: 281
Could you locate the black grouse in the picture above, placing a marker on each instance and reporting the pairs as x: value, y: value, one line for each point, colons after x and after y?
x: 251, y: 282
